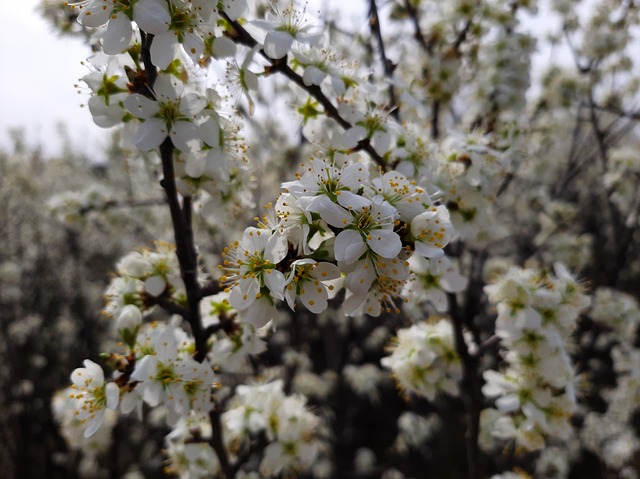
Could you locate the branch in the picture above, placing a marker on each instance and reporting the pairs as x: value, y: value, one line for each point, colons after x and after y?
x: 471, y: 388
x: 181, y: 220
x: 217, y: 443
x: 185, y: 248
x: 113, y: 204
x: 388, y: 66
x: 280, y: 66
x: 417, y: 33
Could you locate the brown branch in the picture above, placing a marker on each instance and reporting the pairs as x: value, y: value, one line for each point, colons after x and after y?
x: 210, y: 289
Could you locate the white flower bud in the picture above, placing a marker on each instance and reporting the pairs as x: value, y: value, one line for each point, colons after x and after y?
x: 130, y: 318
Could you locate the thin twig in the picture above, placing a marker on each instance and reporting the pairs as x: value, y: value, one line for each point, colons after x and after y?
x: 114, y: 204
x: 417, y: 32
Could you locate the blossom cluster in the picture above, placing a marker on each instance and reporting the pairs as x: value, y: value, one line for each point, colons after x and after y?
x: 291, y: 430
x: 143, y: 275
x: 362, y: 232
x: 535, y: 394
x: 424, y: 359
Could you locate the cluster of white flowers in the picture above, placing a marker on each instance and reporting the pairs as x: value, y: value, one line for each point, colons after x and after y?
x: 365, y: 230
x: 620, y: 179
x: 537, y: 312
x: 165, y: 373
x: 607, y: 433
x: 504, y: 72
x: 616, y: 310
x: 93, y: 397
x: 67, y: 413
x: 425, y: 361
x: 70, y: 206
x: 142, y: 275
x: 189, y: 454
x: 290, y: 429
x: 468, y: 171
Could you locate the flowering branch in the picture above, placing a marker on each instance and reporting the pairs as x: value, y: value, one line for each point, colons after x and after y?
x: 244, y: 38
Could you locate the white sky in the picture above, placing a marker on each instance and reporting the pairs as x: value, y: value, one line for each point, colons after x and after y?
x: 38, y: 72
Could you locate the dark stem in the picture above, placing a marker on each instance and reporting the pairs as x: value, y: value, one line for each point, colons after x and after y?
x: 387, y: 65
x: 417, y: 32
x: 435, y: 119
x: 471, y: 388
x: 185, y: 248
x: 217, y: 443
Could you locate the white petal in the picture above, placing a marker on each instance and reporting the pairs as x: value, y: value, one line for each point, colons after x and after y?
x: 381, y: 141
x: 349, y: 246
x: 152, y: 16
x: 223, y: 47
x: 145, y: 367
x: 193, y: 45
x: 155, y: 285
x: 325, y: 271
x: 153, y: 393
x: 351, y: 201
x: 260, y: 313
x: 276, y: 248
x: 277, y: 44
x: 150, y: 134
x: 234, y: 8
x: 118, y: 35
x: 350, y: 138
x: 164, y: 49
x: 95, y: 424
x: 313, y: 76
x: 360, y: 279
x: 386, y: 243
x: 274, y: 280
x: 428, y: 251
x: 508, y: 403
x: 166, y: 347
x: 192, y: 104
x: 95, y: 15
x: 314, y: 297
x: 195, y: 166
x: 332, y: 213
x: 141, y: 106
x: 453, y: 282
x: 113, y: 394
x: 354, y: 176
x: 183, y: 134
x: 244, y: 294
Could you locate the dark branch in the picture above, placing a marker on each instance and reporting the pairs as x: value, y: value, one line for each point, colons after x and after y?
x: 387, y: 65
x: 470, y: 386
